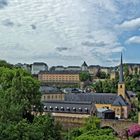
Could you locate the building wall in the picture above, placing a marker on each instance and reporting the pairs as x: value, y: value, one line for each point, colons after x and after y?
x: 106, y: 70
x: 35, y: 69
x: 53, y: 96
x: 103, y: 106
x: 120, y: 111
x: 93, y: 70
x: 61, y: 78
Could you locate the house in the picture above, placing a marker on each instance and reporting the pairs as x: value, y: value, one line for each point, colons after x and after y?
x: 36, y: 67
x: 51, y: 93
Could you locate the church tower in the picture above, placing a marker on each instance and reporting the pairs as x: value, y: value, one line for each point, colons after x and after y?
x: 121, y: 84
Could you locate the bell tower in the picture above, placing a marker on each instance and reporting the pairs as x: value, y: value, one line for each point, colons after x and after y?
x: 121, y: 84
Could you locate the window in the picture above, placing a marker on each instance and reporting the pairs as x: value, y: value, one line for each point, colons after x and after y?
x: 120, y: 86
x: 48, y: 96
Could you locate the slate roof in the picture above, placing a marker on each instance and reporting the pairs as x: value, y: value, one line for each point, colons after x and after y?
x: 69, y: 107
x: 46, y: 89
x: 97, y: 98
x: 39, y: 63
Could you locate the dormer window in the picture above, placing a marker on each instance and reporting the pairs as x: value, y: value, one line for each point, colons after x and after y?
x: 62, y: 108
x: 56, y: 108
x: 45, y: 107
x: 86, y: 109
x: 74, y: 109
x: 51, y: 108
x: 68, y: 108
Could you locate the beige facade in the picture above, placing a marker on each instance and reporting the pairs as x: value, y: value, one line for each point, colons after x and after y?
x: 122, y: 90
x: 59, y: 77
x: 53, y: 96
x: 120, y: 111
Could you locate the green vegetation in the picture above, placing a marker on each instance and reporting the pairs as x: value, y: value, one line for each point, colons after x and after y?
x: 132, y: 83
x: 3, y: 63
x: 91, y: 131
x: 102, y: 75
x: 107, y: 86
x: 84, y: 76
x: 19, y: 92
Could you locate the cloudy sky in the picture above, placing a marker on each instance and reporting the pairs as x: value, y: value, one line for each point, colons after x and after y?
x: 67, y: 32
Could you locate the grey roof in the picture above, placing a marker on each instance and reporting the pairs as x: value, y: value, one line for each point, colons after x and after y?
x: 73, y: 67
x: 47, y: 89
x: 97, y: 98
x: 94, y: 66
x: 69, y: 107
x: 131, y: 94
x: 119, y: 101
x: 39, y: 63
x: 84, y: 64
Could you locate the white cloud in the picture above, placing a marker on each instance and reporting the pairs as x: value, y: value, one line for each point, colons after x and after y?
x: 83, y: 30
x: 130, y: 24
x: 134, y: 40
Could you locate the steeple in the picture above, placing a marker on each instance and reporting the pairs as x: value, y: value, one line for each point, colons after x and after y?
x: 121, y: 78
x: 121, y: 84
x: 84, y: 66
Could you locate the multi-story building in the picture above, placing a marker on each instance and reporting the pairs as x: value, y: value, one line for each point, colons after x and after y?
x: 107, y: 70
x: 59, y: 77
x: 51, y: 93
x: 93, y: 70
x: 133, y: 68
x: 118, y: 103
x: 37, y: 67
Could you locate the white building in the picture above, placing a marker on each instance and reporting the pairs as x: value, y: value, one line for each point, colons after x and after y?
x: 38, y: 66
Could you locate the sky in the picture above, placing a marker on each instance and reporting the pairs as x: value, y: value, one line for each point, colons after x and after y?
x: 68, y: 32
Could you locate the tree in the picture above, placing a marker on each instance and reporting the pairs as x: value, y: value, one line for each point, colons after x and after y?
x: 92, y: 131
x: 84, y: 76
x: 3, y: 63
x: 19, y: 91
x: 102, y: 75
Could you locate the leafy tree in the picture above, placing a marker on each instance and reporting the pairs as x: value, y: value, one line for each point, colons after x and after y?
x: 84, y: 76
x: 91, y: 131
x: 102, y: 75
x: 18, y: 93
x: 3, y: 63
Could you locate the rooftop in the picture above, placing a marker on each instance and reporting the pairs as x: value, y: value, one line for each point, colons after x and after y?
x: 97, y: 98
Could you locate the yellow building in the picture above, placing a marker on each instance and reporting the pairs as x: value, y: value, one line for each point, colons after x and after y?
x: 61, y: 77
x: 51, y: 93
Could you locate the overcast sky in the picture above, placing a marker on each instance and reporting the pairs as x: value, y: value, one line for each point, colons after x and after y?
x: 67, y: 32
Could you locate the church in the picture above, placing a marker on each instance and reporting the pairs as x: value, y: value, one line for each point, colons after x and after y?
x: 83, y: 105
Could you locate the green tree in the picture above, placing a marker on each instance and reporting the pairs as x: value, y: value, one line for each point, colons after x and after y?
x: 3, y: 63
x: 19, y: 91
x: 84, y: 76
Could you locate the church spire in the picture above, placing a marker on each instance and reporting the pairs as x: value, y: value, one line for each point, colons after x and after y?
x: 121, y: 78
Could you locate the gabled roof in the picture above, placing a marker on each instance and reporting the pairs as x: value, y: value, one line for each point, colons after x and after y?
x: 69, y: 107
x: 47, y: 89
x: 119, y: 101
x: 96, y: 98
